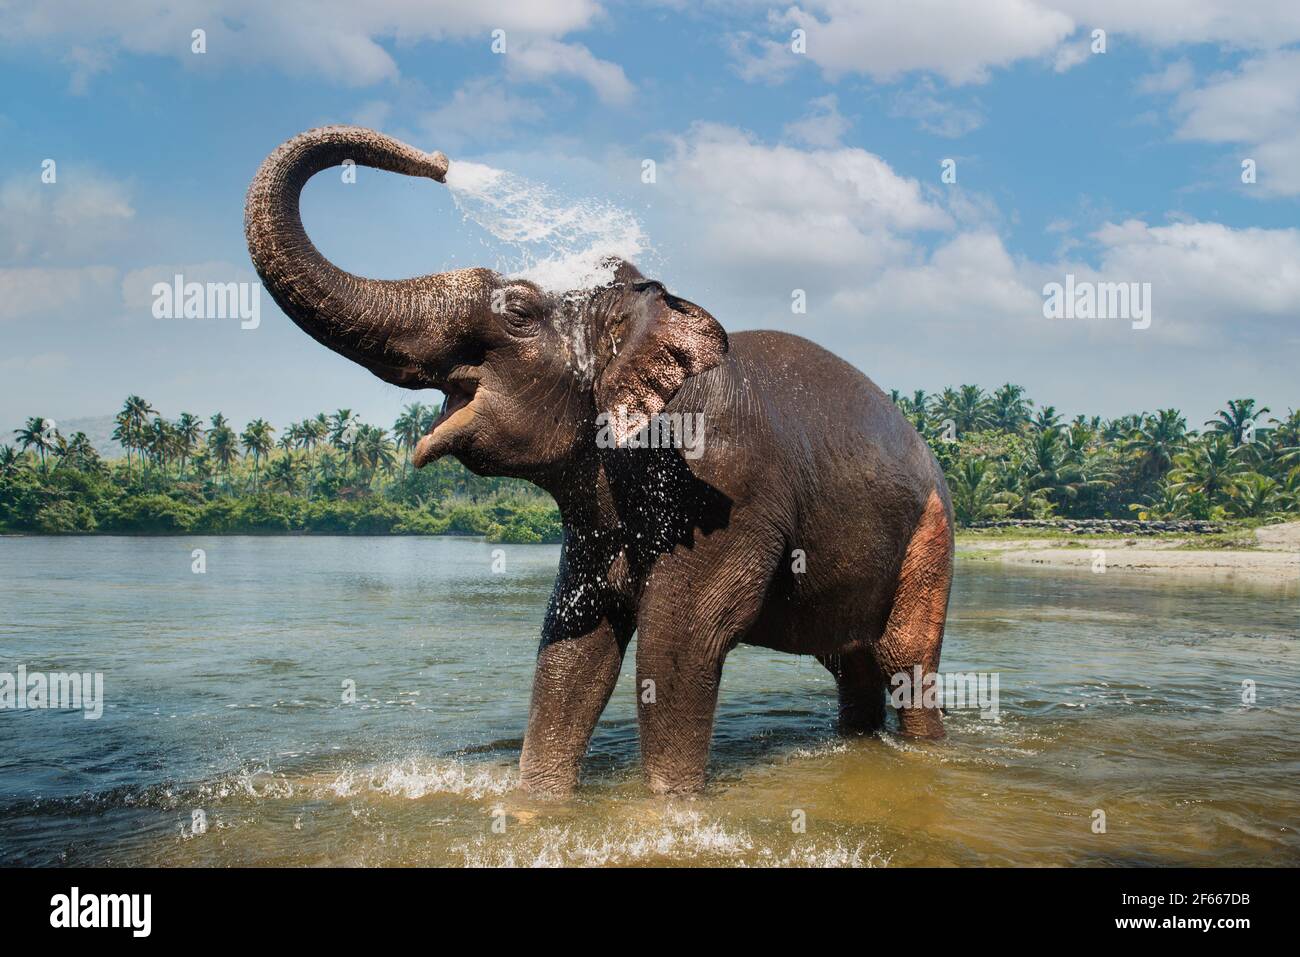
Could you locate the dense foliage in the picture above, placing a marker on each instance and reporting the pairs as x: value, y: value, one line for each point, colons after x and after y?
x: 1004, y: 459
x: 334, y: 474
x: 331, y: 474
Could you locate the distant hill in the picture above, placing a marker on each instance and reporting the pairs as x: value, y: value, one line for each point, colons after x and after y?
x: 98, y: 428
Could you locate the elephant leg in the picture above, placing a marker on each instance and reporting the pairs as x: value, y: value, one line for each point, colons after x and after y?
x: 861, y: 689
x: 914, y: 632
x: 701, y: 606
x: 677, y: 694
x: 571, y: 686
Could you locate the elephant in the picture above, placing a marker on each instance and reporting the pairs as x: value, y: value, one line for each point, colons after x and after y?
x: 811, y: 518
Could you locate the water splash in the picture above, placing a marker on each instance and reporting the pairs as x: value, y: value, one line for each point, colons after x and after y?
x: 678, y: 836
x: 561, y: 244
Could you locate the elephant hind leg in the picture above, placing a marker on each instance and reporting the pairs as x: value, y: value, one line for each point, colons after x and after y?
x: 861, y: 689
x: 914, y: 632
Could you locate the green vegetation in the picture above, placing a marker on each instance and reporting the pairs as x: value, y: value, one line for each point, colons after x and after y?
x: 1003, y: 459
x: 331, y: 475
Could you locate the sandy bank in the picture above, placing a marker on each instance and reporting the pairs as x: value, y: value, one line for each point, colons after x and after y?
x: 1274, y: 558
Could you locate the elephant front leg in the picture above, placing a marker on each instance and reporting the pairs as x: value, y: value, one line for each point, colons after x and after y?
x: 571, y: 687
x: 677, y: 694
x: 703, y: 602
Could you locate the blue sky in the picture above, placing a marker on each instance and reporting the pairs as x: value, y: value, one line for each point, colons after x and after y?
x: 775, y: 171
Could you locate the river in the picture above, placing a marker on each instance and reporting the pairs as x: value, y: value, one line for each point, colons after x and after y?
x: 226, y: 738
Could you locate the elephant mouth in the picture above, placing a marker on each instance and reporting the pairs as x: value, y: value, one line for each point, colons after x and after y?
x: 461, y: 388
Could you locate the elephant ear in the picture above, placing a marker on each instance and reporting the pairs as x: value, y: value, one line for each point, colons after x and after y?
x: 661, y: 341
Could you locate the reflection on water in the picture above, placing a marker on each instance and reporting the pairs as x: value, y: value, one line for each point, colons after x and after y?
x: 224, y: 693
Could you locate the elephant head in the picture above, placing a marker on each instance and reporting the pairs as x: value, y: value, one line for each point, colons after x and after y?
x: 525, y: 372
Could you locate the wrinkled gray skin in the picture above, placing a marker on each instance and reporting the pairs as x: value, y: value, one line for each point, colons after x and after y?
x: 802, y: 453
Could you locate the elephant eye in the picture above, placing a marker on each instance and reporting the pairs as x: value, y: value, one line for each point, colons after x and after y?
x: 522, y: 316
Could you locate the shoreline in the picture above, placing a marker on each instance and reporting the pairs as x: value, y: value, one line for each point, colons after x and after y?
x: 1271, y: 556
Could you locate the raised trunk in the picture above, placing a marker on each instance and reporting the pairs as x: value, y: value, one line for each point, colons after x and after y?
x: 382, y: 324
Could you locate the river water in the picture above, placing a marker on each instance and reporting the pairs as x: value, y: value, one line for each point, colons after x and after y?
x: 224, y: 704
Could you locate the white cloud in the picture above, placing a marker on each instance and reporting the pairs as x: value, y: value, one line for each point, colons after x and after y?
x: 1207, y: 273
x: 80, y: 212
x: 1072, y: 53
x: 823, y: 126
x: 482, y: 111
x: 1257, y: 106
x: 962, y: 41
x: 35, y: 292
x: 86, y: 64
x: 934, y: 114
x: 339, y: 40
x: 373, y: 113
x: 1261, y: 24
x: 757, y: 59
x: 966, y: 283
x: 538, y: 59
x: 751, y: 222
x: 1175, y: 77
x: 137, y: 285
x: 789, y: 214
x: 959, y: 41
x: 1209, y: 283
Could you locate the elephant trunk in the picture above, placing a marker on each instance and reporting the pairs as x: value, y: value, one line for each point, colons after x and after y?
x: 392, y: 327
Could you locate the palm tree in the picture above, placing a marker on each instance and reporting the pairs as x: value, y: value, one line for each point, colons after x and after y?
x: 1116, y: 429
x: 1046, y: 418
x: 315, y: 430
x: 160, y: 441
x: 1209, y: 468
x: 257, y: 441
x: 1061, y: 470
x: 1082, y: 434
x: 11, y: 461
x: 296, y: 436
x: 326, y: 470
x: 969, y: 409
x: 1155, y: 442
x: 1008, y: 408
x: 79, y: 454
x: 188, y: 433
x: 1256, y: 495
x: 130, y: 431
x: 1237, y: 420
x: 222, y: 444
x: 342, y: 428
x: 1284, y: 440
x: 1290, y: 489
x: 1019, y: 497
x: 202, y: 464
x: 408, y: 429
x: 915, y: 408
x: 372, y: 450
x: 38, y: 433
x: 1166, y: 502
x: 973, y: 486
x: 283, y: 473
